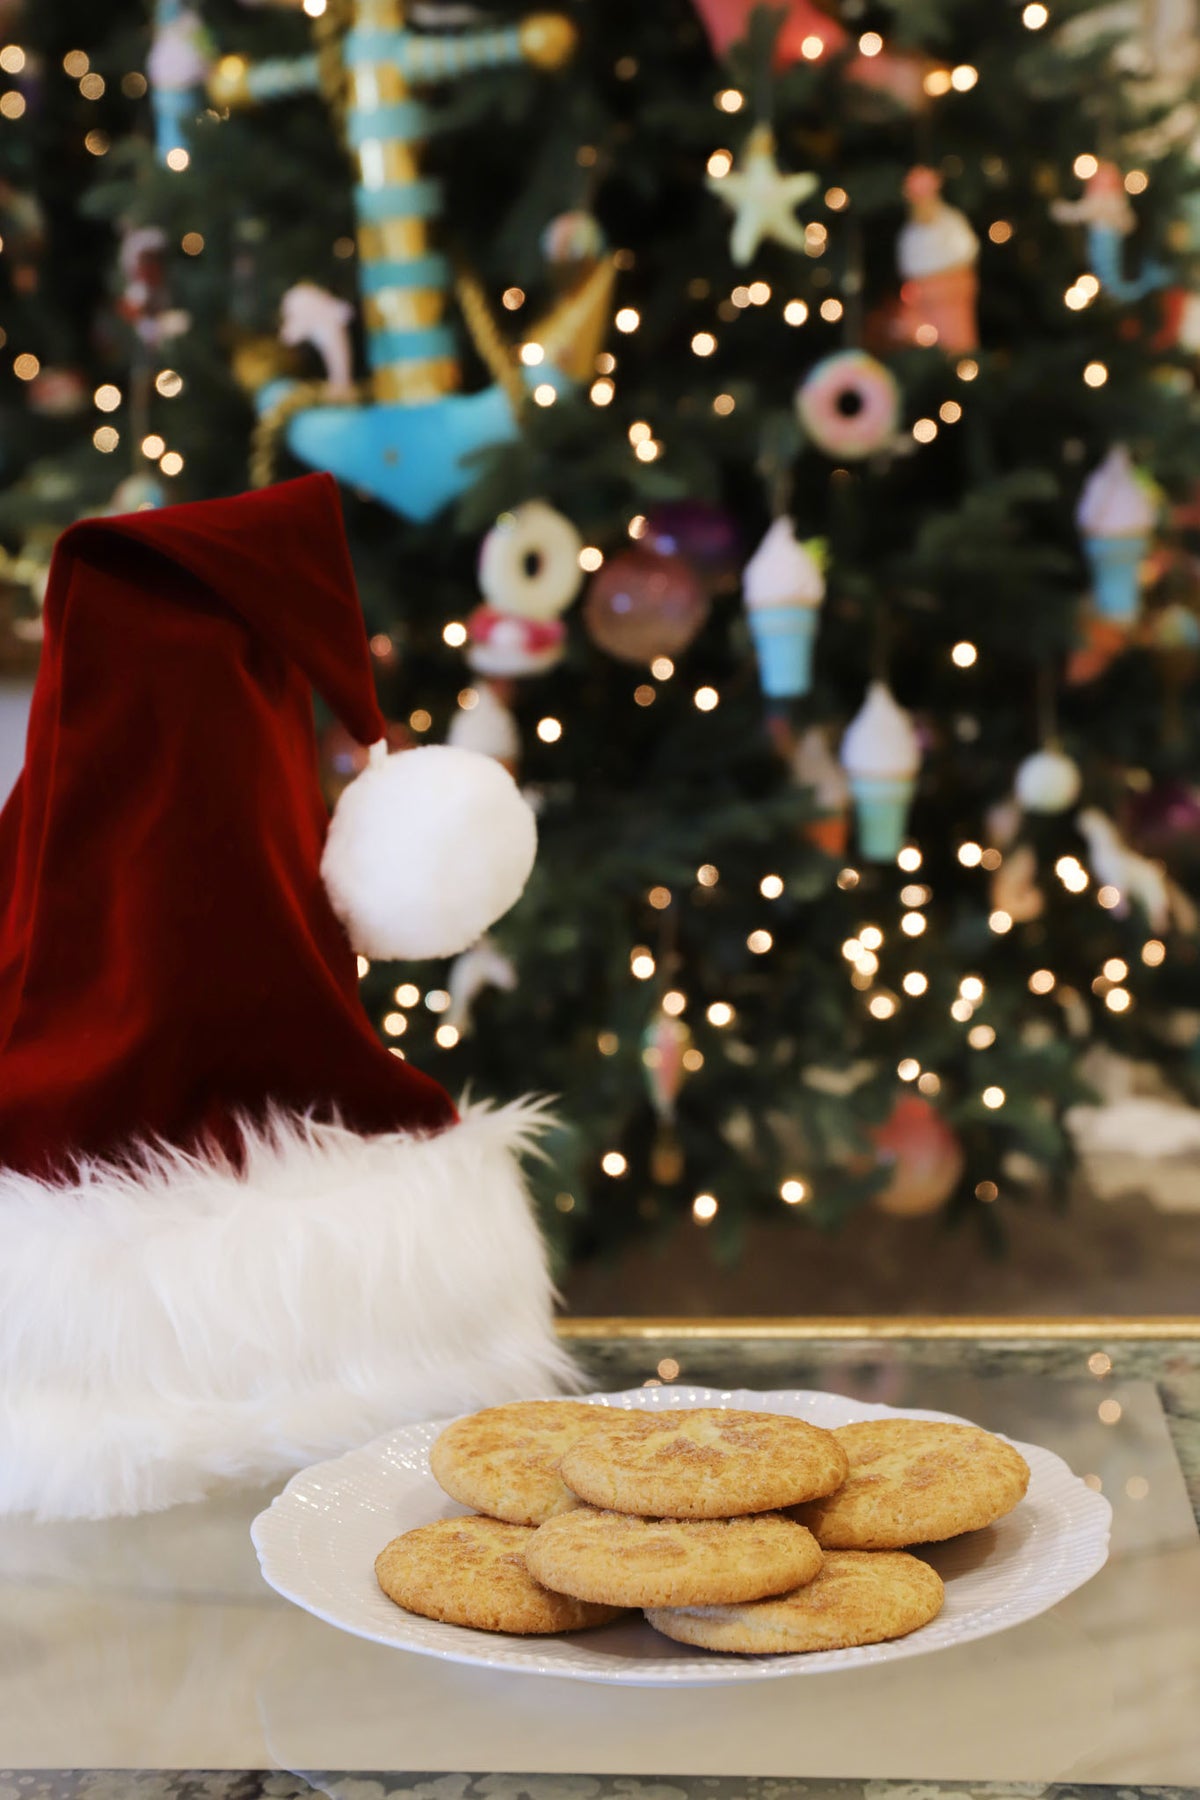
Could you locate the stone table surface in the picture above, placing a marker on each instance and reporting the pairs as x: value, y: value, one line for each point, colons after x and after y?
x: 146, y: 1660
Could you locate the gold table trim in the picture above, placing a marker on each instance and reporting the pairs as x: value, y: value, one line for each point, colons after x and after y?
x: 848, y: 1328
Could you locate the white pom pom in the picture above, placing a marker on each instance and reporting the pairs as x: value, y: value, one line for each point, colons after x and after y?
x: 425, y: 850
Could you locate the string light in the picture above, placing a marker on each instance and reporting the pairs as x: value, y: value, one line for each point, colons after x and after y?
x: 963, y: 79
x: 966, y: 368
x: 608, y: 1043
x: 912, y: 924
x: 1072, y: 874
x: 1035, y: 16
x: 771, y: 886
x: 549, y: 730
x: 363, y: 966
x: 852, y: 949
x: 961, y: 1011
x: 729, y: 100
x: 106, y: 438
x: 641, y: 963
x: 870, y: 937
x: 1118, y: 1000
x: 866, y: 964
x: 107, y: 398
x: 704, y: 1208
x: 964, y: 655
x: 970, y: 855
x: 740, y: 298
x: 926, y: 334
x: 26, y: 366
x: 1109, y: 897
x: 97, y: 143
x: 1000, y: 921
x: 795, y: 312
x: 831, y: 310
x: 1095, y: 375
x: 659, y: 898
x: 420, y: 720
x: 848, y: 878
x: 1089, y: 285
x: 759, y: 942
x: 949, y: 412
x: 628, y: 319
x: 178, y: 159
x: 168, y: 383
x: 134, y: 85
x: 719, y: 164
x: 720, y: 1014
x: 870, y: 43
x: 708, y: 875
x: 909, y: 859
x: 468, y: 699
x: 991, y: 859
x: 590, y: 558
x: 644, y: 694
x: 915, y: 983
x: 395, y: 1024
x: 674, y: 1003
x: 881, y: 1006
x: 1085, y: 166
x: 662, y: 668
x: 513, y: 298
x: 937, y: 83
x: 545, y: 394
x: 705, y: 699
x: 908, y: 1068
x: 1115, y: 969
x: 1041, y: 981
x: 1153, y: 953
x: 601, y: 392
x: 993, y: 1097
x: 1000, y: 231
x: 12, y: 104
x: 971, y: 988
x: 12, y: 59
x: 647, y: 451
x: 836, y: 199
x: 925, y: 430
x: 613, y: 1163
x: 1109, y: 1411
x: 532, y: 354
x: 407, y: 994
x: 929, y: 1083
x: 812, y: 47
x: 1137, y: 181
x: 693, y: 1059
x: 987, y: 1191
x: 437, y: 1000
x: 981, y: 1037
x: 793, y: 1192
x: 703, y: 344
x: 76, y: 63
x: 914, y: 894
x: 92, y: 87
x: 454, y: 634
x: 723, y: 405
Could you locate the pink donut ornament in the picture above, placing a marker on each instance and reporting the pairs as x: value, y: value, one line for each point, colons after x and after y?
x: 849, y: 405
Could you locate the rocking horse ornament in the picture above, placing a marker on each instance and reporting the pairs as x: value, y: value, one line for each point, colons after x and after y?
x: 408, y: 434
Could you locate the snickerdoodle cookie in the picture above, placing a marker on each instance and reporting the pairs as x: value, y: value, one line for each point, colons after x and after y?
x: 504, y: 1462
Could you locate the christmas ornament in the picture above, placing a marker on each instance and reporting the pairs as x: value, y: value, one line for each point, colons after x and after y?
x: 1014, y: 886
x: 480, y: 967
x: 409, y: 444
x: 640, y: 605
x: 814, y: 767
x: 704, y: 534
x: 505, y: 644
x: 199, y: 897
x: 529, y: 562
x: 936, y: 253
x: 849, y: 404
x: 573, y: 237
x: 137, y: 493
x: 762, y: 198
x: 664, y: 1045
x: 1164, y: 823
x: 487, y: 727
x: 726, y: 22
x: 144, y: 301
x: 58, y: 393
x: 177, y: 65
x: 924, y: 1156
x: 23, y: 224
x: 881, y: 754
x: 309, y: 314
x: 1103, y: 641
x: 1048, y: 782
x: 1136, y: 879
x: 784, y: 586
x: 1115, y: 515
x: 1109, y: 218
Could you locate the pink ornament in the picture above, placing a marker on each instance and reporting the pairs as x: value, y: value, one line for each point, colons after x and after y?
x: 309, y: 314
x: 502, y: 644
x: 924, y: 1156
x: 663, y: 1048
x: 641, y: 605
x: 727, y: 21
x: 937, y: 251
x: 573, y: 237
x: 849, y: 404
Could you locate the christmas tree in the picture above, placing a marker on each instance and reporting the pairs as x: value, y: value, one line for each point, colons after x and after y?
x: 843, y: 360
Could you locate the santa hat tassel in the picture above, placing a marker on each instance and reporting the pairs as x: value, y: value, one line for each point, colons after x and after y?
x: 425, y: 850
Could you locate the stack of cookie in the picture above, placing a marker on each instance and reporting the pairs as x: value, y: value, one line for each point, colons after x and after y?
x: 738, y: 1531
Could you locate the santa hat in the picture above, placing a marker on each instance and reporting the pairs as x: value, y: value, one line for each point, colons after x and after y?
x: 236, y: 1233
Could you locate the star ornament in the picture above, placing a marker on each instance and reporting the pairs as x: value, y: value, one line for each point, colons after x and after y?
x: 763, y: 199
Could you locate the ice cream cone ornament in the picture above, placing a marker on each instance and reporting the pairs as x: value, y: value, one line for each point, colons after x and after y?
x: 1105, y: 210
x: 784, y: 585
x: 881, y: 754
x: 936, y: 254
x: 1116, y: 513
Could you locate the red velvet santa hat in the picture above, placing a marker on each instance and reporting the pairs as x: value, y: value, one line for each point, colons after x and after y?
x: 235, y: 1232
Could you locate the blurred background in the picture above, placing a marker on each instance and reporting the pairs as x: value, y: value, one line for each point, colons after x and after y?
x: 773, y: 433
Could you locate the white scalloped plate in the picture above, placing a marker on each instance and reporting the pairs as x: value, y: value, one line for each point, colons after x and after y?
x: 318, y: 1541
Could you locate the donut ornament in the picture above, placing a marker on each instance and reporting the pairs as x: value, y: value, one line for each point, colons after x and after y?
x: 529, y: 574
x: 849, y: 405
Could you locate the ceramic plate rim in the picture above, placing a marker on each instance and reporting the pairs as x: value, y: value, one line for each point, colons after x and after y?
x: 272, y: 1535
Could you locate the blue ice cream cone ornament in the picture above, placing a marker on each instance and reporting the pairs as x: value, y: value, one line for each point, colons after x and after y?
x: 1116, y: 515
x: 784, y: 585
x: 881, y: 754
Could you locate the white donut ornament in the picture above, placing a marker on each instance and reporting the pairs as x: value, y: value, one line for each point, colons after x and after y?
x: 529, y: 562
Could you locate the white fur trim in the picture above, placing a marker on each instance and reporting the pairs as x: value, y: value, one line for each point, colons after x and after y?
x: 176, y: 1324
x: 425, y: 850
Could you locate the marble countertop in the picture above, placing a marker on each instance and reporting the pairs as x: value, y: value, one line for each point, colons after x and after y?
x: 145, y: 1660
